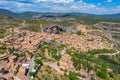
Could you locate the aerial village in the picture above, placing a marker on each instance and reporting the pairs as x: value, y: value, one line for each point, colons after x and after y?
x: 14, y: 65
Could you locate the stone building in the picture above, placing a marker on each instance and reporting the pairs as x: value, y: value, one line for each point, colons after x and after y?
x: 66, y: 63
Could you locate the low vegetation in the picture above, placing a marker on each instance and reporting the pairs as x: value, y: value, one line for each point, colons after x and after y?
x: 98, y: 51
x: 73, y: 76
x: 89, y: 62
x: 2, y: 32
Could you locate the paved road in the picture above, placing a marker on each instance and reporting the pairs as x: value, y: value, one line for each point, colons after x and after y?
x: 109, y: 54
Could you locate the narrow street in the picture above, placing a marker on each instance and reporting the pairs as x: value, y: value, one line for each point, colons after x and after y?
x: 31, y: 66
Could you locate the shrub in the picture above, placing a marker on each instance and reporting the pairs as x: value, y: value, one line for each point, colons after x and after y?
x: 16, y: 71
x: 79, y: 33
x: 22, y: 55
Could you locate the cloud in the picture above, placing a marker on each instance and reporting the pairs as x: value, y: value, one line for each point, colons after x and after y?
x: 56, y: 1
x: 16, y: 6
x: 74, y: 7
x: 61, y: 6
x: 99, y: 4
x: 117, y: 8
x: 109, y: 0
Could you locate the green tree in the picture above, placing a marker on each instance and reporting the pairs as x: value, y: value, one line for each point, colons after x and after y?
x: 102, y: 74
x: 111, y: 74
x: 72, y: 76
x: 38, y: 61
x: 32, y: 74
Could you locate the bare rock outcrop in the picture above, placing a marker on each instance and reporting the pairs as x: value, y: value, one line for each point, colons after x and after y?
x: 54, y: 29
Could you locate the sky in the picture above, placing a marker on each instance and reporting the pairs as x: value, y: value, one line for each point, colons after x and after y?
x: 63, y: 6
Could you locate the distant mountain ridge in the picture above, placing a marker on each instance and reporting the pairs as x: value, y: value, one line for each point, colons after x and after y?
x: 32, y: 14
x: 7, y: 13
